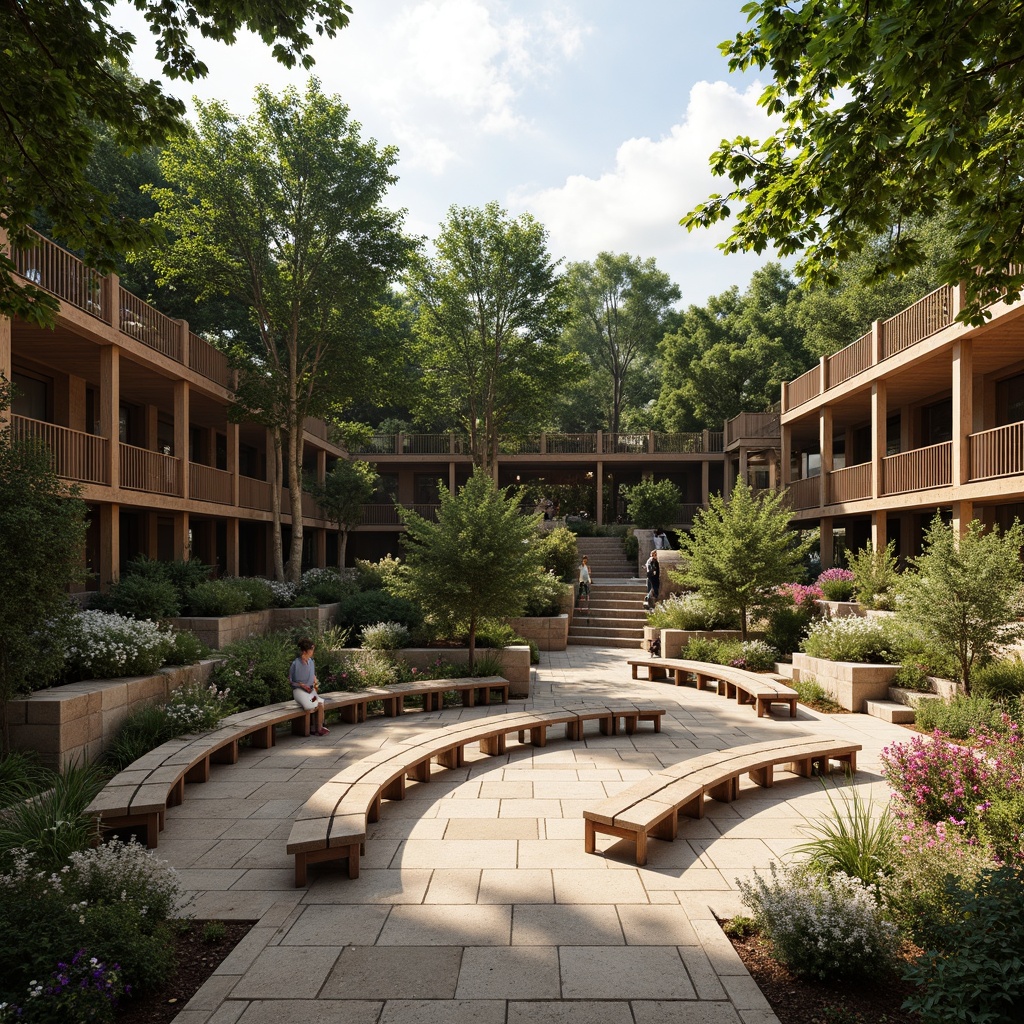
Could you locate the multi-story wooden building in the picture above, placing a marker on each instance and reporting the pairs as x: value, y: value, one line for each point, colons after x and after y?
x: 921, y: 413
x: 134, y: 407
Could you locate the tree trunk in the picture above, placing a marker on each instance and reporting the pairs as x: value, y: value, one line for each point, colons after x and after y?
x: 743, y: 623
x: 342, y: 545
x: 295, y: 493
x: 472, y: 643
x: 274, y: 468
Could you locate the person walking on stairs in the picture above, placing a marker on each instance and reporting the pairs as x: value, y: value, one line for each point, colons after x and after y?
x: 584, y: 588
x: 653, y: 570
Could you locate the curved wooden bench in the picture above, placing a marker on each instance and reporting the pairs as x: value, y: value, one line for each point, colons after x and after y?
x: 652, y: 806
x: 139, y: 796
x: 332, y: 823
x: 746, y: 687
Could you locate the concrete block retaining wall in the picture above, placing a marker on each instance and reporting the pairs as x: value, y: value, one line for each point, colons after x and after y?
x: 75, y: 722
x: 848, y: 683
x: 550, y: 633
x: 219, y: 631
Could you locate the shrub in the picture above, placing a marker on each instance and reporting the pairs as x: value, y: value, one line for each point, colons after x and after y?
x: 142, y: 730
x: 959, y: 717
x: 495, y: 633
x: 197, y: 708
x: 559, y: 553
x: 21, y: 776
x: 304, y: 601
x: 631, y: 547
x: 186, y: 648
x: 255, y: 669
x: 912, y: 675
x: 107, y: 646
x: 366, y: 608
x: 216, y: 597
x: 375, y: 668
x: 875, y: 575
x: 690, y: 611
x: 652, y: 503
x: 975, y: 968
x: 787, y: 625
x: 547, y: 596
x: 854, y: 840
x: 260, y: 595
x: 1000, y: 679
x: 700, y: 648
x: 145, y: 597
x: 385, y: 636
x: 376, y: 575
x: 823, y: 927
x: 326, y: 585
x: 836, y: 584
x: 283, y: 592
x: 814, y: 695
x: 850, y: 639
x: 752, y: 655
x: 186, y: 573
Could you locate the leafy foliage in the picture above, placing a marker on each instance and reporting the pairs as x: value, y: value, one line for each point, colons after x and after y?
x: 346, y: 488
x: 651, y: 503
x: 145, y: 597
x: 690, y: 611
x: 875, y: 575
x: 740, y: 551
x: 961, y: 595
x: 559, y: 553
x: 851, y: 638
x: 869, y: 141
x: 372, y: 606
x: 477, y: 561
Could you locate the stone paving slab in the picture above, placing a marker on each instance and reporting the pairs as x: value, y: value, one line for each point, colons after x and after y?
x: 475, y: 901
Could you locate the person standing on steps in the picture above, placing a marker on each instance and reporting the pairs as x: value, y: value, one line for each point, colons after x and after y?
x: 302, y: 676
x: 585, y: 581
x: 653, y: 570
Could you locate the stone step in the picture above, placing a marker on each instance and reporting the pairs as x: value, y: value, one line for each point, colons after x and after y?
x: 603, y: 641
x: 611, y: 622
x: 636, y: 635
x: 603, y: 611
x: 890, y: 711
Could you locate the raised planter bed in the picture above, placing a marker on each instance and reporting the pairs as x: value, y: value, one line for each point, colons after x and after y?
x: 219, y: 631
x: 848, y: 683
x: 76, y: 721
x: 842, y: 609
x: 549, y: 632
x: 674, y: 640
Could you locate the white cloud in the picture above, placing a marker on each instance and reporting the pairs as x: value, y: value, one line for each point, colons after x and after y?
x: 636, y: 206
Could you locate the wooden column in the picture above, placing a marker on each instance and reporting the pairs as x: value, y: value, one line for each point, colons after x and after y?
x: 451, y: 477
x: 705, y: 483
x: 321, y: 465
x: 181, y: 414
x: 600, y: 490
x: 231, y: 555
x: 743, y: 465
x: 963, y: 513
x: 110, y: 404
x: 110, y: 545
x: 5, y: 356
x: 181, y: 544
x: 827, y: 544
x: 825, y: 443
x: 786, y: 466
x: 320, y: 547
x: 878, y: 417
x: 232, y: 466
x: 963, y: 409
x: 879, y: 530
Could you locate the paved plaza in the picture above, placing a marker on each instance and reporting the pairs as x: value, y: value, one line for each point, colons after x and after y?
x: 476, y: 903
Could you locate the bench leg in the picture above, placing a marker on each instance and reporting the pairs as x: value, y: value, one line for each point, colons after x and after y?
x: 353, y: 861
x: 589, y: 838
x: 469, y: 698
x: 726, y: 791
x: 539, y: 736
x: 300, y: 726
x: 693, y: 808
x: 394, y: 790
x: 263, y: 739
x: 608, y: 726
x: 176, y: 794
x: 453, y: 758
x: 503, y: 691
x: 792, y: 707
x: 630, y: 722
x: 641, y: 849
x: 667, y: 828
x: 634, y: 667
x: 199, y: 772
x: 420, y: 772
x: 373, y: 813
x: 574, y: 730
x: 300, y: 870
x: 764, y: 777
x: 762, y: 706
x: 493, y: 745
x: 226, y: 755
x: 350, y: 714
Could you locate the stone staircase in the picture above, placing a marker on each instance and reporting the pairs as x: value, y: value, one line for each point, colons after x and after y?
x: 616, y: 616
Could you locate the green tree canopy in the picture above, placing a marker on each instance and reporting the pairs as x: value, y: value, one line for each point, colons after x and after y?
x: 491, y: 309
x: 732, y: 355
x: 962, y: 593
x: 651, y: 503
x: 479, y: 560
x: 620, y: 304
x: 63, y: 71
x: 282, y: 212
x: 346, y: 489
x: 740, y: 551
x: 889, y: 113
x: 43, y: 524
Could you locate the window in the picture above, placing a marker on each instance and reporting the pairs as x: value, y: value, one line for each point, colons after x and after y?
x: 937, y: 423
x: 1010, y: 401
x: 32, y: 397
x: 893, y: 434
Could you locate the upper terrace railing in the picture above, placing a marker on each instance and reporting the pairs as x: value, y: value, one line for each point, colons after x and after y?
x: 804, y: 493
x: 76, y: 455
x: 850, y: 484
x: 625, y: 443
x: 924, y: 318
x: 139, y: 320
x: 143, y: 470
x: 752, y: 424
x: 918, y: 469
x: 997, y: 452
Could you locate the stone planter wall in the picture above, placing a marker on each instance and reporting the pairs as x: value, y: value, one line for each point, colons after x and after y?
x: 848, y: 683
x: 674, y: 640
x: 550, y: 633
x: 841, y: 609
x: 219, y: 631
x: 515, y: 662
x: 75, y: 722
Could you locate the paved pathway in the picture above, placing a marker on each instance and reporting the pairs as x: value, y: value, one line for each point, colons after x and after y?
x: 476, y: 903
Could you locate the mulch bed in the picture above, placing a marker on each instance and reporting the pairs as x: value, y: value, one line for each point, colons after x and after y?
x: 197, y: 958
x: 796, y: 1001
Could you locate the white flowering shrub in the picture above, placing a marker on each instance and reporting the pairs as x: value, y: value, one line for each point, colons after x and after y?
x: 104, y: 645
x: 690, y: 611
x: 821, y: 927
x: 757, y: 656
x: 851, y: 639
x: 385, y: 636
x: 197, y: 708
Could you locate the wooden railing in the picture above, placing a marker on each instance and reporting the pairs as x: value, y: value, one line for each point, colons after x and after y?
x: 687, y: 511
x: 916, y: 322
x: 143, y: 470
x: 210, y: 362
x: 752, y: 424
x: 805, y: 493
x: 208, y: 484
x: 76, y: 455
x: 849, y: 361
x: 139, y: 320
x: 531, y: 445
x: 426, y: 444
x: 997, y: 452
x: 571, y: 444
x: 805, y: 387
x: 629, y: 443
x: 850, y: 484
x: 44, y: 263
x: 253, y: 493
x: 918, y: 469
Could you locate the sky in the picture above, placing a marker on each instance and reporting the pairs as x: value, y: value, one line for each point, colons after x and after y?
x: 596, y: 117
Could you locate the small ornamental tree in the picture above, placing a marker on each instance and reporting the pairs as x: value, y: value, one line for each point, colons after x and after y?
x: 741, y: 551
x: 650, y: 504
x: 962, y: 596
x: 42, y: 524
x: 345, y: 490
x: 479, y: 560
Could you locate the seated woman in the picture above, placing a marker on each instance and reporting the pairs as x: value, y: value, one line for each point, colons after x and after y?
x: 302, y: 676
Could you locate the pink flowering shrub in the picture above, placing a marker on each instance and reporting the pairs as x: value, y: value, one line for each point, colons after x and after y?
x: 836, y: 584
x: 801, y: 595
x: 947, y: 792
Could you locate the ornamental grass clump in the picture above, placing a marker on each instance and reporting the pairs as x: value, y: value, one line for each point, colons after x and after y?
x: 825, y: 927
